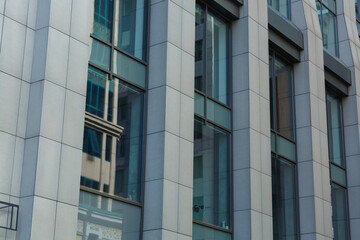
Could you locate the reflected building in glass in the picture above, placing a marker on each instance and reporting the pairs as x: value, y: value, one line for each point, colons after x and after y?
x: 179, y: 120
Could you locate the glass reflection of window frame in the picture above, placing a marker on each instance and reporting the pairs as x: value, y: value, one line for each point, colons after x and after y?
x: 277, y: 154
x: 288, y: 8
x: 335, y: 168
x: 320, y: 15
x: 208, y: 105
x: 207, y: 10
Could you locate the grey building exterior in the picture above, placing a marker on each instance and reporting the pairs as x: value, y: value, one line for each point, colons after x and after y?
x: 45, y: 47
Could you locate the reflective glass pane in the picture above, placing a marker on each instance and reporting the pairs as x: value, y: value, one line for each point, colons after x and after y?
x: 129, y: 149
x: 211, y: 199
x: 340, y: 214
x: 100, y: 54
x: 206, y: 233
x: 284, y: 199
x: 330, y: 4
x: 129, y: 69
x: 328, y: 28
x: 130, y: 26
x: 95, y: 91
x: 282, y: 6
x: 104, y: 218
x: 199, y: 48
x: 111, y: 100
x: 218, y: 113
x: 92, y: 145
x: 338, y: 174
x: 286, y: 148
x: 283, y: 93
x: 272, y: 92
x: 103, y: 17
x: 273, y: 142
x: 199, y: 104
x: 217, y: 80
x: 335, y: 131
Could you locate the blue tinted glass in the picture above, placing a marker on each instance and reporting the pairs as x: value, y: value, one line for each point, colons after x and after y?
x: 201, y: 232
x: 103, y: 218
x: 211, y: 193
x: 338, y: 174
x: 199, y: 104
x: 129, y: 149
x: 284, y: 199
x: 92, y: 143
x: 100, y: 54
x: 129, y: 69
x: 95, y: 97
x: 286, y: 148
x: 217, y: 77
x: 218, y: 113
x: 130, y: 27
x: 340, y: 213
x: 328, y: 28
x: 108, y: 148
x: 282, y: 6
x: 111, y: 100
x: 103, y: 17
x: 335, y: 130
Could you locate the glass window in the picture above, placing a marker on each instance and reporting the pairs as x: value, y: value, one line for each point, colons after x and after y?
x: 212, y: 58
x: 205, y: 233
x: 103, y: 18
x: 104, y: 218
x: 212, y: 175
x: 282, y: 6
x: 340, y: 217
x: 281, y: 98
x: 327, y: 17
x: 95, y: 91
x: 130, y: 27
x: 357, y: 10
x: 129, y: 148
x: 284, y: 199
x: 283, y: 147
x: 92, y: 142
x: 335, y: 130
x: 100, y: 54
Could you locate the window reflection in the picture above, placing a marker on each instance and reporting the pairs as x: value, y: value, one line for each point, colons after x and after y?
x: 327, y: 17
x: 211, y: 175
x: 282, y: 6
x: 340, y: 218
x: 101, y: 218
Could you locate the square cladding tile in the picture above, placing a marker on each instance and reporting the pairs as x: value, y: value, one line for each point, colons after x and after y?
x: 17, y: 167
x: 47, y: 168
x: 17, y: 10
x: 60, y: 15
x: 9, y: 94
x: 155, y: 146
x: 29, y: 163
x: 69, y: 176
x: 77, y: 66
x: 66, y: 221
x: 153, y: 206
x: 172, y: 117
x: 28, y: 55
x: 12, y: 47
x: 157, y: 61
x: 186, y: 163
x: 81, y: 20
x: 52, y: 116
x: 23, y: 109
x: 156, y: 110
x: 43, y: 220
x: 57, y: 57
x: 187, y: 118
x: 74, y: 119
x: 7, y: 151
x: 172, y: 157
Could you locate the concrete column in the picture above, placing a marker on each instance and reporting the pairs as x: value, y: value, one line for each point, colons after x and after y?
x: 311, y: 128
x: 55, y: 118
x: 170, y: 120
x: 251, y: 123
x: 349, y: 53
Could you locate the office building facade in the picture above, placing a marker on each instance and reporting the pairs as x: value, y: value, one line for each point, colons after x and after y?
x: 179, y: 119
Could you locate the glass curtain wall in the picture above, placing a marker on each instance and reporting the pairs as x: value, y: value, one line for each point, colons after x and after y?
x: 281, y: 6
x: 337, y: 167
x: 283, y: 148
x: 212, y: 128
x: 113, y: 148
x: 327, y: 16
